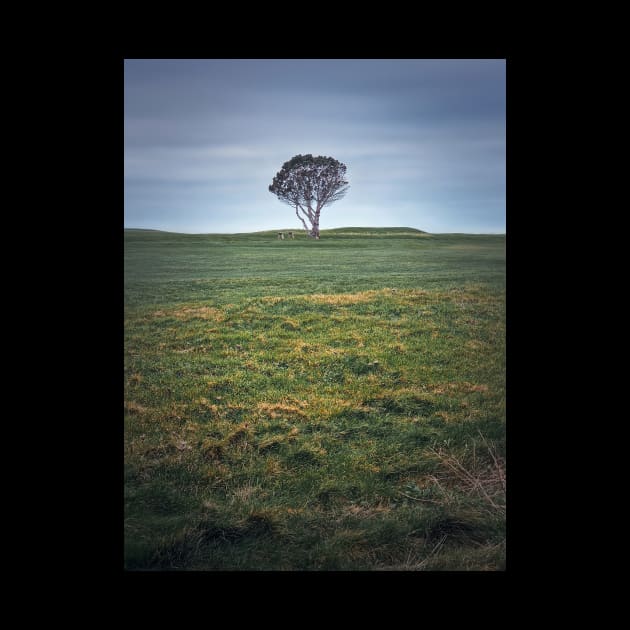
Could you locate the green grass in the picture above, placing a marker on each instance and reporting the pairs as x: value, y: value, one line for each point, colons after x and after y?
x: 314, y: 405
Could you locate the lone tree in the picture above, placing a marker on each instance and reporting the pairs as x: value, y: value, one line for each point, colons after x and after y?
x: 308, y: 184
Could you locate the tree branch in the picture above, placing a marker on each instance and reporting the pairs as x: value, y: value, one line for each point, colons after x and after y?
x: 307, y: 211
x: 301, y: 219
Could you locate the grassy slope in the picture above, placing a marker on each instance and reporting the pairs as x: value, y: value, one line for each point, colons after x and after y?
x: 299, y: 404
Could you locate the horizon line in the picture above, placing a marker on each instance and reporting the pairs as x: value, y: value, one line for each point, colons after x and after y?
x: 350, y: 227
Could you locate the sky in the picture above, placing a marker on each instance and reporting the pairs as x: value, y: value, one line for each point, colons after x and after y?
x: 423, y: 142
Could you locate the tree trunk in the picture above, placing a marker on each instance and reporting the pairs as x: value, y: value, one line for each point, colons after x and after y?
x: 315, y: 230
x: 313, y: 218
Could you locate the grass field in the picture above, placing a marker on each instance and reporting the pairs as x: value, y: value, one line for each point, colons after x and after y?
x: 314, y: 405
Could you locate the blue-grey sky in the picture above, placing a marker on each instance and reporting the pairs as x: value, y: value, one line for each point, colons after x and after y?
x: 423, y: 140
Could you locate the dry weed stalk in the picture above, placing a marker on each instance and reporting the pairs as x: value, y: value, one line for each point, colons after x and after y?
x: 490, y: 482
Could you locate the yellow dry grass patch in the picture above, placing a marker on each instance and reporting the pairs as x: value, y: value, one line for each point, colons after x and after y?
x: 346, y: 299
x: 310, y: 352
x: 335, y: 299
x: 324, y: 407
x: 280, y: 410
x: 461, y: 388
x: 439, y: 389
x: 290, y: 324
x: 365, y: 466
x: 208, y: 405
x: 299, y: 346
x: 340, y: 299
x: 200, y: 312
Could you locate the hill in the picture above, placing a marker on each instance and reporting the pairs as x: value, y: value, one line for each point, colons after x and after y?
x: 361, y: 231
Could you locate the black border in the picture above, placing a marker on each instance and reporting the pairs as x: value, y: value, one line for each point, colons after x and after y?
x: 109, y: 301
